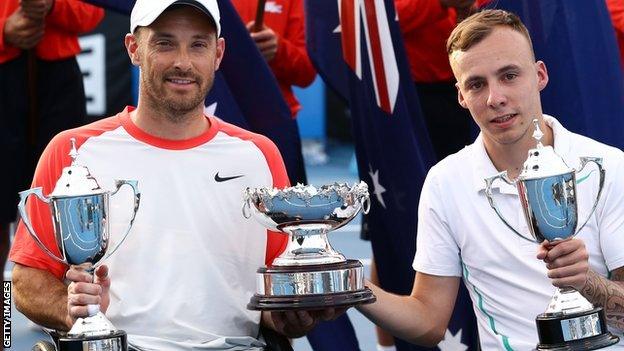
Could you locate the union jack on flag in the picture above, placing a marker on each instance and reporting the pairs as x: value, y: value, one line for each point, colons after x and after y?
x: 379, y: 45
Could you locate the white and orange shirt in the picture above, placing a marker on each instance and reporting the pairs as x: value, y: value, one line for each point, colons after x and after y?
x: 185, y: 273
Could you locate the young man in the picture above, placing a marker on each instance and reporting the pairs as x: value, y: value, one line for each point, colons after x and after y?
x: 499, y: 82
x: 182, y: 278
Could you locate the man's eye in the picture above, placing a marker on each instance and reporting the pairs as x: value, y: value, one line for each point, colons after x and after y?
x: 475, y: 86
x: 163, y: 43
x: 510, y: 76
x: 200, y: 45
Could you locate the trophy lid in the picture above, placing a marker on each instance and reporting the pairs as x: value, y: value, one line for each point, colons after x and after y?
x: 76, y: 180
x: 543, y: 161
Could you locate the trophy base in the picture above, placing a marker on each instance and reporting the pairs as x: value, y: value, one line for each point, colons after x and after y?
x: 586, y: 330
x: 286, y: 288
x: 312, y: 302
x: 115, y: 341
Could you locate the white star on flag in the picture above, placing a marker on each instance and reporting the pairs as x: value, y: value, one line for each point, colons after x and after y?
x: 452, y: 342
x: 378, y: 189
x: 211, y: 109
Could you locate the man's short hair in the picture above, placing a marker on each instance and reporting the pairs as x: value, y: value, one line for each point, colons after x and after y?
x: 477, y: 27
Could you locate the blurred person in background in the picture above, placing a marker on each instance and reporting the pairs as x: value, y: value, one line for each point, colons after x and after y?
x: 281, y: 41
x: 616, y: 9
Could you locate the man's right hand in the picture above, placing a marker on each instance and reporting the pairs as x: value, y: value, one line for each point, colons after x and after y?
x: 86, y: 290
x: 23, y: 32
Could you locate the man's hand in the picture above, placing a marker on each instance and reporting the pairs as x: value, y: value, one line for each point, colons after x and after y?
x: 82, y: 291
x: 36, y: 9
x: 295, y: 324
x: 567, y: 262
x: 22, y: 32
x: 266, y: 40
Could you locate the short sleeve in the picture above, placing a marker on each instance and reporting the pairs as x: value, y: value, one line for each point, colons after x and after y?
x: 611, y: 215
x: 437, y: 252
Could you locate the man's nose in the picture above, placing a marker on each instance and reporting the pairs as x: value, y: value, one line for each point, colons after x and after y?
x: 496, y: 97
x: 183, y: 60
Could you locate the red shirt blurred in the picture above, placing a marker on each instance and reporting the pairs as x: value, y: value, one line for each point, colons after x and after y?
x: 616, y: 9
x: 426, y: 26
x: 291, y: 64
x: 66, y: 20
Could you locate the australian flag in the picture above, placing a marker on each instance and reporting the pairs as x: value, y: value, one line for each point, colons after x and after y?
x: 357, y: 48
x: 576, y: 40
x: 245, y: 92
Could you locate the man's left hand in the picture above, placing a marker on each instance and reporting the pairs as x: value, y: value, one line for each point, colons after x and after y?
x: 266, y: 40
x: 295, y: 324
x: 567, y: 262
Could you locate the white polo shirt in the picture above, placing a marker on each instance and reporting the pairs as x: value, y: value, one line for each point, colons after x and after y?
x: 459, y: 234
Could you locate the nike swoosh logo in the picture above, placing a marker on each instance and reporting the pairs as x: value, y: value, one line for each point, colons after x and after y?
x: 225, y: 179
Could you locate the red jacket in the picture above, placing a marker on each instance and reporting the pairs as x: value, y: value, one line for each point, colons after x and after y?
x: 425, y: 26
x: 67, y: 19
x: 291, y: 65
x: 616, y: 8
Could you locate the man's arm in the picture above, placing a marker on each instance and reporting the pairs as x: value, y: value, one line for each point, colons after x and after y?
x: 420, y: 318
x: 568, y: 266
x: 607, y: 293
x: 41, y: 297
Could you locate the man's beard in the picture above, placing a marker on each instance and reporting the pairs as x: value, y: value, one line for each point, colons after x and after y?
x: 175, y: 109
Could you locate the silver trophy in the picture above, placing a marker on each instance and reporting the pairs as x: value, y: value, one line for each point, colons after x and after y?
x: 309, y: 274
x: 80, y: 216
x: 547, y: 191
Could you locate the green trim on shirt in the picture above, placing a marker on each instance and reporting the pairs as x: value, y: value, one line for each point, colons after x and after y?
x: 492, y: 322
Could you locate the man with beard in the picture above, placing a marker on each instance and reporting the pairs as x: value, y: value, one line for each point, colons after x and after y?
x: 183, y: 276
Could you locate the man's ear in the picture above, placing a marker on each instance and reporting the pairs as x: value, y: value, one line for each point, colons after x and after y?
x: 220, y: 52
x: 460, y: 97
x: 542, y: 75
x: 132, y: 46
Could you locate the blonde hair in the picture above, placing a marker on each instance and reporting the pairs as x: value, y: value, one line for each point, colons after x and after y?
x: 477, y: 27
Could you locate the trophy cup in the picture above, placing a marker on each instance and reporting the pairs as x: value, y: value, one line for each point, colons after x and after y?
x: 547, y: 190
x: 79, y: 209
x: 309, y: 274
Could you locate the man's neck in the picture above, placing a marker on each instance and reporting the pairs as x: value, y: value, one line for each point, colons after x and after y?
x: 159, y: 124
x: 512, y: 157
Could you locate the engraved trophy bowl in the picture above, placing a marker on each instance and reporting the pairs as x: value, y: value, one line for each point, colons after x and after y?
x: 80, y: 218
x: 547, y: 191
x: 309, y: 274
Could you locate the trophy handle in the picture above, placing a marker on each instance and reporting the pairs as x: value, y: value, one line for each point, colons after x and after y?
x: 246, y: 209
x: 366, y: 204
x: 137, y: 199
x: 488, y: 192
x: 598, y: 162
x: 22, y: 211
